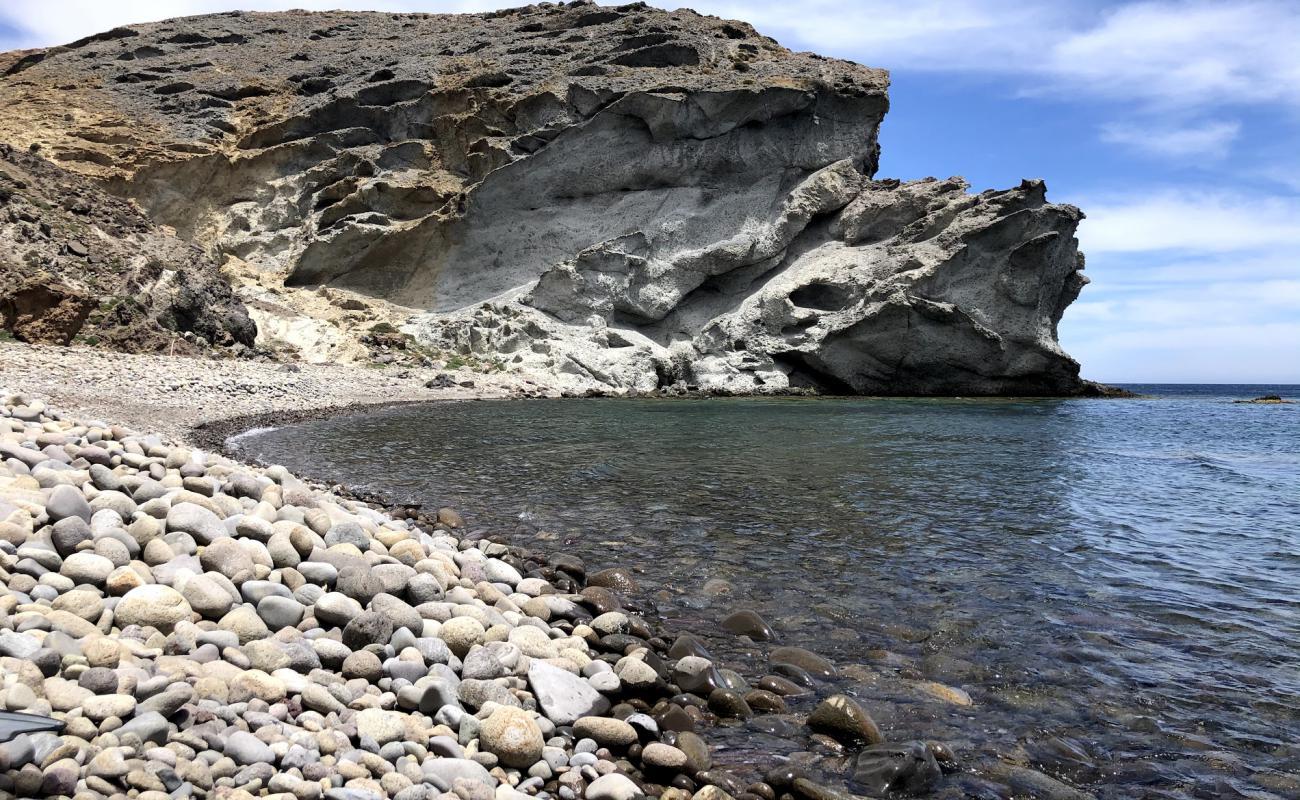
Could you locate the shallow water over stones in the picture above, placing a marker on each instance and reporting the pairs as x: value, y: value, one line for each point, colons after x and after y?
x: 1103, y: 591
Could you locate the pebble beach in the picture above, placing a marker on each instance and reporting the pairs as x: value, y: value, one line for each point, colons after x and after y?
x: 202, y: 627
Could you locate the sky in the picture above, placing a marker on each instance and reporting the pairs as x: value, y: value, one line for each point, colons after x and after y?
x: 1174, y: 125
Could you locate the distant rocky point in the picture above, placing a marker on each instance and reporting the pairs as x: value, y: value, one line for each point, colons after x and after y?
x: 1267, y: 400
x: 614, y: 198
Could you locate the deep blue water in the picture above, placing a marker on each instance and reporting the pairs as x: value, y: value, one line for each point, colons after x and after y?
x: 1116, y: 583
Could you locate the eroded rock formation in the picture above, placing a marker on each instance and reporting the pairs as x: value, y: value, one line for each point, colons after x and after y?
x: 79, y: 264
x: 621, y: 197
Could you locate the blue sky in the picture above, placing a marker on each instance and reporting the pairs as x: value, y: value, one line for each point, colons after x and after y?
x: 1174, y: 124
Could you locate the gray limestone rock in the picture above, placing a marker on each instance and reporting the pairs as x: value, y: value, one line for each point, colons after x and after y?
x: 563, y: 696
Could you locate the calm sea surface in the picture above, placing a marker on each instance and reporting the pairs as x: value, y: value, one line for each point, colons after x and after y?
x: 1116, y: 583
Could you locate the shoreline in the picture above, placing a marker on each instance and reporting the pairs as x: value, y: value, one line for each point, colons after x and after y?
x: 192, y: 398
x: 602, y: 750
x: 211, y: 433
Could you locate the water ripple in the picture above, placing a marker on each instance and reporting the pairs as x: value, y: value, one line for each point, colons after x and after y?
x: 1114, y: 582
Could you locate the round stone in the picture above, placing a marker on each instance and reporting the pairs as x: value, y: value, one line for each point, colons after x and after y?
x: 227, y: 557
x: 279, y: 612
x: 85, y: 603
x: 197, y: 521
x: 606, y: 731
x: 513, y: 735
x: 663, y: 756
x: 335, y: 609
x: 363, y: 664
x: 152, y: 605
x: 380, y: 725
x: 244, y: 623
x: 101, y: 707
x: 98, y: 680
x: 207, y: 597
x: 613, y: 786
x: 67, y: 501
x: 86, y: 567
x: 841, y: 717
x: 368, y: 627
x: 806, y: 660
x: 751, y: 624
x: 462, y: 633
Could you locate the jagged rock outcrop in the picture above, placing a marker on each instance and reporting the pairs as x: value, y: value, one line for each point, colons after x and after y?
x: 620, y: 197
x: 78, y: 263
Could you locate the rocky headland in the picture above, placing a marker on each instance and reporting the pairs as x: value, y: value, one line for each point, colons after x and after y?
x: 250, y: 215
x: 601, y: 198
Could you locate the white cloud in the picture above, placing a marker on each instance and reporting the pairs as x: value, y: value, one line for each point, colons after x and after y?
x: 1168, y: 53
x: 1207, y: 139
x: 1195, y: 220
x: 1188, y: 53
x: 1209, y: 350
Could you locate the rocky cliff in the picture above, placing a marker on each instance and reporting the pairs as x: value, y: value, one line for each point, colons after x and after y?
x: 616, y: 197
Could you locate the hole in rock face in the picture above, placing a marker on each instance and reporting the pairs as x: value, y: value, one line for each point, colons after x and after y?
x: 663, y: 55
x: 489, y: 80
x: 387, y: 94
x: 804, y: 375
x: 822, y: 297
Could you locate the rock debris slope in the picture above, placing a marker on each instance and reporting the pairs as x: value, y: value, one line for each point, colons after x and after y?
x: 619, y: 197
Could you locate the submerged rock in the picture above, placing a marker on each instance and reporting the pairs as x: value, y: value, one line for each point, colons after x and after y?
x: 909, y: 767
x: 842, y: 717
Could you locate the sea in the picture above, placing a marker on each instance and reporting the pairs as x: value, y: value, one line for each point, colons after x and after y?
x: 1113, y: 583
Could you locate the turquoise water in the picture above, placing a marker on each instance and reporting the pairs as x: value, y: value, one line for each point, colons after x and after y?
x: 1116, y: 583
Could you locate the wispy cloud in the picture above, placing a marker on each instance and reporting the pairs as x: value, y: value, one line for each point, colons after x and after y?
x: 1190, y: 283
x: 1193, y: 220
x: 1202, y: 140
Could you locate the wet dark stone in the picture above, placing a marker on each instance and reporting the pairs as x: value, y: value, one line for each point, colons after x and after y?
x: 806, y: 660
x: 816, y: 791
x: 640, y: 628
x: 728, y: 704
x: 688, y: 645
x: 571, y: 564
x: 683, y: 782
x: 795, y: 675
x: 698, y: 759
x: 943, y: 754
x: 620, y: 643
x: 675, y: 718
x: 702, y: 683
x: 841, y: 717
x: 781, y: 686
x: 783, y: 776
x: 688, y: 699
x: 656, y: 663
x: 776, y: 726
x: 601, y: 600
x: 765, y: 702
x: 723, y: 780
x: 616, y: 578
x: 751, y: 624
x: 908, y: 767
x: 762, y: 790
